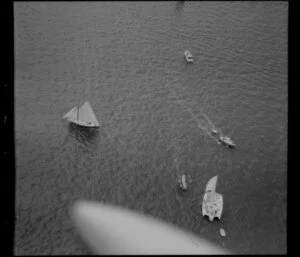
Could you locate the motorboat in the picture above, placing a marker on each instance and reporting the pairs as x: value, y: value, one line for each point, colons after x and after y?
x: 226, y: 141
x: 214, y: 131
x: 188, y: 56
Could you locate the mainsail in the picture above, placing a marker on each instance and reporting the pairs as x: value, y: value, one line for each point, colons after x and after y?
x: 86, y: 114
x: 72, y: 114
x: 211, y: 184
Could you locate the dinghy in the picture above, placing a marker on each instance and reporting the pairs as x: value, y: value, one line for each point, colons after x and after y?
x: 214, y: 131
x: 183, y: 183
x: 222, y: 232
x: 188, y: 56
x: 212, y: 204
x: 84, y: 116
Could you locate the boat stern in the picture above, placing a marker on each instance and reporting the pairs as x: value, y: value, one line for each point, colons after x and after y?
x: 213, y: 208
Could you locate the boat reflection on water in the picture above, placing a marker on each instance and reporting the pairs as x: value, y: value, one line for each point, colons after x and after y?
x: 83, y: 135
x: 179, y: 7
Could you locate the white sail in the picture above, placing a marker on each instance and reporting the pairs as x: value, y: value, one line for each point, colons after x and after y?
x: 86, y: 114
x: 211, y: 184
x: 72, y: 114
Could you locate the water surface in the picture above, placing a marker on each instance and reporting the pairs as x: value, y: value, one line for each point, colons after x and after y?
x: 156, y: 112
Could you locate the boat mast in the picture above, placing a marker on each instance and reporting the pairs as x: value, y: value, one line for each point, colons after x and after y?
x: 77, y: 91
x: 77, y: 109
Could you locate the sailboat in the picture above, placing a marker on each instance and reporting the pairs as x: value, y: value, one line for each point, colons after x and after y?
x: 212, y: 204
x: 83, y: 116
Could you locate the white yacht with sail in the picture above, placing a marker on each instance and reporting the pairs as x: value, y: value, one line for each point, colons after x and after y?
x: 212, y: 204
x: 83, y: 116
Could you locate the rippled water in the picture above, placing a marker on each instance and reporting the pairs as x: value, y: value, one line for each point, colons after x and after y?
x: 156, y: 113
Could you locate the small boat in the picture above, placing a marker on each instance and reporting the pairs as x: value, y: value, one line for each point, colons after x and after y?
x: 188, y: 56
x: 222, y: 232
x: 83, y: 116
x: 212, y: 204
x: 214, y: 131
x: 183, y: 183
x: 226, y: 141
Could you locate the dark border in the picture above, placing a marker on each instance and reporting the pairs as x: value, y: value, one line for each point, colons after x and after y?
x: 8, y: 169
x: 288, y: 116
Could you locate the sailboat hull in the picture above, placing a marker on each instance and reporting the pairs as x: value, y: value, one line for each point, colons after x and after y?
x: 214, y: 208
x: 83, y: 123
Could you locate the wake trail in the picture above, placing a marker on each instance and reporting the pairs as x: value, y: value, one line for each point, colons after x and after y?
x: 204, y: 128
x: 179, y: 171
x: 207, y: 118
x: 206, y: 125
